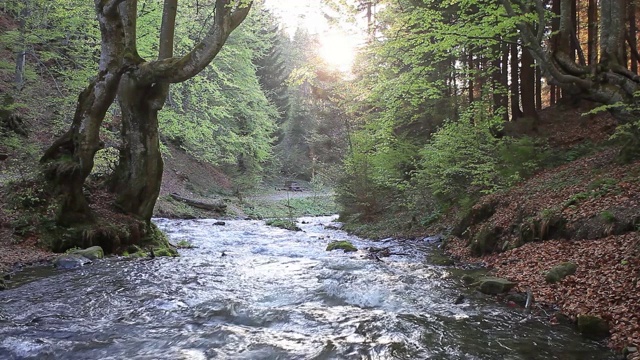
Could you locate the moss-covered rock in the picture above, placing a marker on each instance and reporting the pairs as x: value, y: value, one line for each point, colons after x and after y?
x: 485, y: 241
x: 92, y: 253
x: 283, y: 224
x: 559, y: 272
x: 494, y: 285
x: 341, y: 245
x: 592, y: 327
x: 166, y: 251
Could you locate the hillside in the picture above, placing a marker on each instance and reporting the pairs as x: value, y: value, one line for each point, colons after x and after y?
x: 586, y: 211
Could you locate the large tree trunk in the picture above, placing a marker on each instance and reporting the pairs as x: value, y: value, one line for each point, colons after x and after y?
x: 70, y: 158
x: 139, y: 172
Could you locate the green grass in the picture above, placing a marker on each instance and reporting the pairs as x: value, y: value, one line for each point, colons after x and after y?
x: 290, y: 208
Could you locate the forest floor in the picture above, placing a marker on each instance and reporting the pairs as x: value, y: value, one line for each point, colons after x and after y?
x: 586, y: 211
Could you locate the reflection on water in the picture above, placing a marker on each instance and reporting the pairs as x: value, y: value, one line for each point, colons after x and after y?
x: 275, y: 294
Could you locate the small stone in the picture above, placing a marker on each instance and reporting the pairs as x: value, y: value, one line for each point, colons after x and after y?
x: 219, y: 223
x: 459, y: 300
x: 3, y: 285
x: 631, y: 349
x: 6, y: 276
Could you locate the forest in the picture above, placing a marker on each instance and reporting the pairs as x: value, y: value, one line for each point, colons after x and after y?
x: 509, y: 128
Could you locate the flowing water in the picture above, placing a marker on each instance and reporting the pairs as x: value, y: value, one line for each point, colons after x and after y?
x: 249, y: 291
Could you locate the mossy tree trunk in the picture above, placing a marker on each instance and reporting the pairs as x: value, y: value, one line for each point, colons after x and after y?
x: 70, y: 158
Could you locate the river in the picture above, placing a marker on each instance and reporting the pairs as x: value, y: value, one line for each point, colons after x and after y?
x: 249, y: 291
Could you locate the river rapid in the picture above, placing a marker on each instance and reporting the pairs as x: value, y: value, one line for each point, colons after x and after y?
x: 249, y: 291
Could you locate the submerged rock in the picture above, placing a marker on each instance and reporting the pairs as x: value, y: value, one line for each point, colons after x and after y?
x: 494, y: 285
x: 91, y: 253
x: 70, y: 261
x: 559, y: 272
x: 343, y: 245
x: 592, y: 327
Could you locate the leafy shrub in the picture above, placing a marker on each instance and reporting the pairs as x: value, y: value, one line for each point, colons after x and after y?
x: 465, y: 159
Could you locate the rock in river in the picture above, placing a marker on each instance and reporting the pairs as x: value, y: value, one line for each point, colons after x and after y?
x: 92, y: 253
x: 344, y: 245
x: 70, y: 261
x: 493, y: 285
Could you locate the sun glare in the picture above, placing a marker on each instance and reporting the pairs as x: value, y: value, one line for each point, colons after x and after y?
x: 338, y: 50
x: 338, y: 46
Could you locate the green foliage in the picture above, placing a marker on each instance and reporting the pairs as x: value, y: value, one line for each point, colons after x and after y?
x: 465, y: 158
x: 105, y: 162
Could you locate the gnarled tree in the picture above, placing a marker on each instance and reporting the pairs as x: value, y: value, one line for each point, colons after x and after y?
x: 141, y: 87
x: 607, y: 81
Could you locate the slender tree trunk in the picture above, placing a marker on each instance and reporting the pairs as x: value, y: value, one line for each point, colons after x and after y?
x: 470, y: 66
x: 632, y: 33
x: 592, y: 41
x: 527, y: 85
x: 538, y: 70
x: 21, y: 54
x: 516, y: 113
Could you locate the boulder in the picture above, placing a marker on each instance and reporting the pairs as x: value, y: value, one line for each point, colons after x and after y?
x: 559, y: 272
x: 344, y: 245
x: 494, y: 285
x: 440, y: 259
x: 70, y: 261
x: 592, y: 327
x: 92, y: 253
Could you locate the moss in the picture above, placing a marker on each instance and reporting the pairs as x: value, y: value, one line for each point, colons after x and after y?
x: 165, y: 252
x: 341, y: 245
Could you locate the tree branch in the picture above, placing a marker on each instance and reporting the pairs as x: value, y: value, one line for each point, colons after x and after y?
x: 175, y: 70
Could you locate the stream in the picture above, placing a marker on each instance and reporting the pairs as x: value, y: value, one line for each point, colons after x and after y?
x: 249, y: 291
